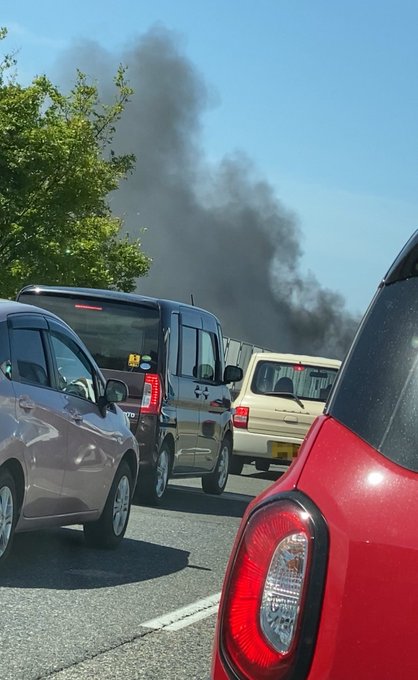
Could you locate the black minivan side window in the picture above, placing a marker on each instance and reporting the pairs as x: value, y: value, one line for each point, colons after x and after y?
x: 188, y: 351
x: 208, y: 366
x: 173, y: 343
x: 28, y: 357
x: 377, y: 393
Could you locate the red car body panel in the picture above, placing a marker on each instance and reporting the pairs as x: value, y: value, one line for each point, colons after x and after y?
x: 371, y: 507
x: 287, y: 482
x: 373, y: 557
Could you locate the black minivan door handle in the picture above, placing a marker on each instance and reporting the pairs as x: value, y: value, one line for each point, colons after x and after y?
x: 198, y: 391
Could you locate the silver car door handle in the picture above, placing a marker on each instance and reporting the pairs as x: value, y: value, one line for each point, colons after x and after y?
x: 26, y: 403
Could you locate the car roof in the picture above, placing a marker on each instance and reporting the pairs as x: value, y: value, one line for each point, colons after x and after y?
x: 12, y: 307
x: 116, y: 296
x: 298, y: 358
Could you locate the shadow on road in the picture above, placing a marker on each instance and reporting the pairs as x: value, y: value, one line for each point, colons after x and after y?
x: 271, y: 475
x: 187, y: 499
x: 59, y: 559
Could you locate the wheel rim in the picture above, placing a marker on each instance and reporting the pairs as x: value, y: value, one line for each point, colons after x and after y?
x: 163, y: 464
x: 121, y: 505
x: 6, y: 517
x: 223, y: 465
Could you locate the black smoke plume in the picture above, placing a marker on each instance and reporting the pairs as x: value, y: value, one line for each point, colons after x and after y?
x: 216, y: 232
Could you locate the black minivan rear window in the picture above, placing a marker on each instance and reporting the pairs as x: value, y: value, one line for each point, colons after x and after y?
x: 121, y: 336
x: 377, y: 394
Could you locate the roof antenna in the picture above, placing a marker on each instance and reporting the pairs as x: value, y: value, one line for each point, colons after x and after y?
x: 192, y: 298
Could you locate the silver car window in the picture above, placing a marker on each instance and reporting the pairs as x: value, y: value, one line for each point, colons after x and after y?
x: 75, y: 375
x: 28, y: 357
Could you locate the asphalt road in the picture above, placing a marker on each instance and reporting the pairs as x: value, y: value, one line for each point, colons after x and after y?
x: 69, y: 612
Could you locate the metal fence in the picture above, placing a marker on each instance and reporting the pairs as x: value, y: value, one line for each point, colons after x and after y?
x: 238, y: 353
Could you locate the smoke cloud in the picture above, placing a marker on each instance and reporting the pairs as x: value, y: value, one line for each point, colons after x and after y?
x: 218, y: 232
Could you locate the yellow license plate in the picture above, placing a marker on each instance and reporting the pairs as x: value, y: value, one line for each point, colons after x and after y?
x: 284, y: 450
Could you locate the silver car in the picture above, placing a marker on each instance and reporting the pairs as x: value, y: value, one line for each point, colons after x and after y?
x: 67, y: 455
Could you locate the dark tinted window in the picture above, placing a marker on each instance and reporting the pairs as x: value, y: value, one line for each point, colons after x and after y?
x: 209, y: 367
x: 5, y: 359
x: 120, y: 336
x: 188, y: 351
x: 306, y: 382
x: 28, y: 357
x: 377, y: 395
x: 173, y: 343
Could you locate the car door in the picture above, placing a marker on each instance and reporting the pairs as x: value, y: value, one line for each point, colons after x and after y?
x: 212, y: 405
x: 92, y: 437
x: 41, y: 425
x: 188, y: 396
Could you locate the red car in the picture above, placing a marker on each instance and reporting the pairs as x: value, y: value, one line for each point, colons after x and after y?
x: 322, y: 583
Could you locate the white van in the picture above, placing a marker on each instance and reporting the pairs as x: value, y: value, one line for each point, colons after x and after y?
x: 280, y: 397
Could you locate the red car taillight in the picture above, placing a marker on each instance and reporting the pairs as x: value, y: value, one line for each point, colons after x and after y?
x: 266, y: 593
x: 151, y: 396
x: 240, y: 417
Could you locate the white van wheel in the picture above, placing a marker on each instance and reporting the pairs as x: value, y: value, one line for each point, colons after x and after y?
x: 236, y: 465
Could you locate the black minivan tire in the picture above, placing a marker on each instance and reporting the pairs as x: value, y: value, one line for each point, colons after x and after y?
x: 215, y: 482
x: 8, y: 513
x: 236, y: 464
x: 152, y: 487
x: 108, y: 531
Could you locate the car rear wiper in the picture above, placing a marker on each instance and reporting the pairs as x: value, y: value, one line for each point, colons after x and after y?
x: 285, y: 394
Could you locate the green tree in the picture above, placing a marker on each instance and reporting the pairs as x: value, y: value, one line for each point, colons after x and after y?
x: 57, y: 168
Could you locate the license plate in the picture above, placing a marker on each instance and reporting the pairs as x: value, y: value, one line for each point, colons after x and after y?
x: 284, y: 450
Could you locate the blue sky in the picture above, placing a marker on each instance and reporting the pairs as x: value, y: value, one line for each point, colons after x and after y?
x: 322, y: 95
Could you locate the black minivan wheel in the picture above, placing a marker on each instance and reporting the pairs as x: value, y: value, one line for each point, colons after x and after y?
x: 216, y: 481
x: 108, y: 531
x: 8, y: 513
x: 152, y: 487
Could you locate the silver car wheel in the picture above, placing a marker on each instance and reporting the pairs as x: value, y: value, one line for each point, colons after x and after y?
x: 6, y: 517
x: 121, y: 505
x: 223, y: 465
x: 163, y: 467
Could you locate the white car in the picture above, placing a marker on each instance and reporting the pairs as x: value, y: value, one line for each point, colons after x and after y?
x: 280, y: 397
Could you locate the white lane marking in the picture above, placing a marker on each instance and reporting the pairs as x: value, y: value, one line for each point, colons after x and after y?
x: 193, y: 618
x: 180, y: 618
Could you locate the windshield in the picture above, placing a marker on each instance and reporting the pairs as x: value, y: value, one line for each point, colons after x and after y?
x: 305, y: 382
x: 121, y: 336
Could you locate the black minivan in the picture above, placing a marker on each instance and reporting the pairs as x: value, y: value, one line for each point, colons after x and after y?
x: 170, y: 355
